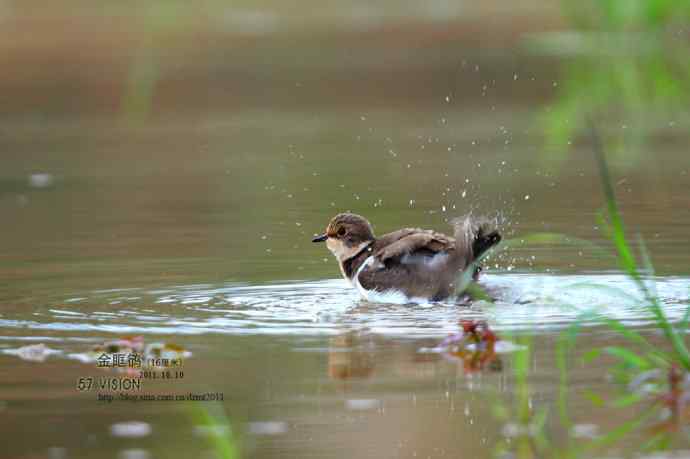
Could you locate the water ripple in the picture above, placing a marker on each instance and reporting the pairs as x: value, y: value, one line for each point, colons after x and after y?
x: 523, y: 302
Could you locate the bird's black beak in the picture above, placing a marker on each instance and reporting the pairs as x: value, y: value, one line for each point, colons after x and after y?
x: 320, y: 238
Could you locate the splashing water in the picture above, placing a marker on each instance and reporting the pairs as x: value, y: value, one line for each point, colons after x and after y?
x: 523, y: 302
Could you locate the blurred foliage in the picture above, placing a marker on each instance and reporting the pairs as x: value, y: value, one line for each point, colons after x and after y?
x: 650, y: 377
x: 626, y: 14
x: 144, y: 71
x: 629, y: 67
x: 652, y: 381
x: 216, y: 426
x: 524, y: 426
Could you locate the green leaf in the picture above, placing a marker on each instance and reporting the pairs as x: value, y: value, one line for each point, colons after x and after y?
x: 501, y: 412
x: 566, y: 341
x: 620, y: 432
x: 659, y: 359
x: 539, y: 419
x: 658, y: 442
x: 617, y: 234
x: 629, y: 357
x: 683, y: 325
x: 627, y: 400
x: 593, y: 397
x: 478, y: 293
x: 223, y: 444
x: 621, y: 328
x: 591, y: 355
x: 615, y: 221
x: 538, y: 422
x: 671, y: 334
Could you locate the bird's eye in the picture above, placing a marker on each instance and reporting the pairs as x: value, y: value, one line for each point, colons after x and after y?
x: 341, y: 231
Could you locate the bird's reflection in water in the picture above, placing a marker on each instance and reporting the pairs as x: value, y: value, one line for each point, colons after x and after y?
x: 360, y: 354
x: 351, y: 355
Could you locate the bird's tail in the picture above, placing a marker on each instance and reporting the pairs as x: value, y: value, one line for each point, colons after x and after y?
x: 474, y: 236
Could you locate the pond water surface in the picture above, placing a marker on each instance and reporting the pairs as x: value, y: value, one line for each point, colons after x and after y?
x: 191, y: 228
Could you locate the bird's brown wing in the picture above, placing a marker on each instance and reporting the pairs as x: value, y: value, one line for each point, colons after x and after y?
x: 422, y: 241
x: 417, y: 275
x: 390, y: 238
x: 402, y: 278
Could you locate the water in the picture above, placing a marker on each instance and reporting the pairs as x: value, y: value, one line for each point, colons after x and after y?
x: 303, y: 366
x: 326, y: 308
x: 167, y: 197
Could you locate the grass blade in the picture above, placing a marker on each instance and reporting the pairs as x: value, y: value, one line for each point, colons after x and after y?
x: 617, y: 233
x: 628, y: 357
x: 616, y: 223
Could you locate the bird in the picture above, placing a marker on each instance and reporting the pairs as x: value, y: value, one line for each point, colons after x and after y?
x: 410, y: 264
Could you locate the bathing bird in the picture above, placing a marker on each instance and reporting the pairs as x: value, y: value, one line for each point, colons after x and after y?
x: 410, y: 264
